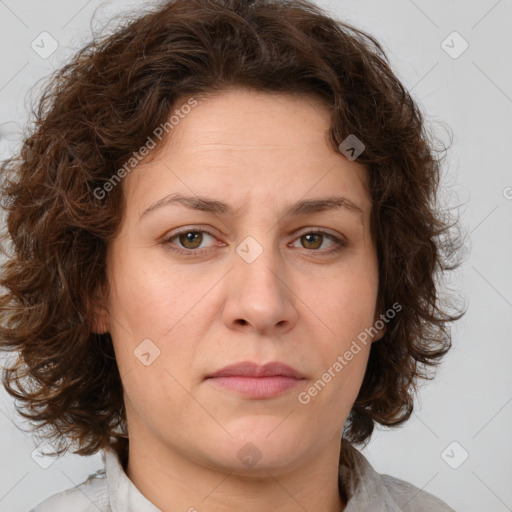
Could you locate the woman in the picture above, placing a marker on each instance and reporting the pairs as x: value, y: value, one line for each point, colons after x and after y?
x: 225, y: 262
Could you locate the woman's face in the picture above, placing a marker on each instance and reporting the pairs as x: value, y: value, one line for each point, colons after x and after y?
x: 256, y: 279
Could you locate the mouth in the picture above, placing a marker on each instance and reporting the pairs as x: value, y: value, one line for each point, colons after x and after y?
x: 256, y: 381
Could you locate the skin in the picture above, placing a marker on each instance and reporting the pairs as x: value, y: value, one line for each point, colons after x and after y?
x: 296, y: 303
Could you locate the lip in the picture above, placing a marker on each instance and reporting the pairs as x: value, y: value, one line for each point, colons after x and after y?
x: 256, y: 381
x: 250, y: 369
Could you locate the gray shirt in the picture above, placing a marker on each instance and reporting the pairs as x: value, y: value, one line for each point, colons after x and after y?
x: 110, y: 490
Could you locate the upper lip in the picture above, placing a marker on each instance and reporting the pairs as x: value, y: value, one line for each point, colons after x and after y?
x: 250, y: 369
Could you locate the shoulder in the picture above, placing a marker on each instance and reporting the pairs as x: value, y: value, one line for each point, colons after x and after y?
x: 372, y: 491
x: 90, y: 496
x: 412, y: 499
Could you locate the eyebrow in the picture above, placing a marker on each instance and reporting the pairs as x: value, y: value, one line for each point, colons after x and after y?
x: 217, y: 207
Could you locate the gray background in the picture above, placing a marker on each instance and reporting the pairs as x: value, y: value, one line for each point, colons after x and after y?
x: 469, y: 403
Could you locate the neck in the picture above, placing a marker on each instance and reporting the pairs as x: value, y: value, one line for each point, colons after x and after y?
x: 172, y: 481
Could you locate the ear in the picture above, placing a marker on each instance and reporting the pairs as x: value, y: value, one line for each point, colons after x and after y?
x: 380, y: 325
x: 101, y: 318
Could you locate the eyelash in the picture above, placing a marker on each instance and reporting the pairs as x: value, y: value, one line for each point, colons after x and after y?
x: 339, y: 244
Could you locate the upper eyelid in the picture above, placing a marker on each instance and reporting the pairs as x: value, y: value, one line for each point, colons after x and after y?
x: 187, y: 230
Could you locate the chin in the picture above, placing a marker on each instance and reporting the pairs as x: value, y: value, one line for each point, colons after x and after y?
x: 257, y: 449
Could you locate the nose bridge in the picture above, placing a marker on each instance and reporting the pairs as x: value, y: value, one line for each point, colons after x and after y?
x: 258, y: 266
x: 258, y: 294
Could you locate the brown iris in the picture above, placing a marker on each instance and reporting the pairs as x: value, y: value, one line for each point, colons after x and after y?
x: 193, y: 237
x: 309, y: 236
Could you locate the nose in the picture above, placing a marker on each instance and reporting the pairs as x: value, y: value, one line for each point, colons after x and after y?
x: 260, y: 296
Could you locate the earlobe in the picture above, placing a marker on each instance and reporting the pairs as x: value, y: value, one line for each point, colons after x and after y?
x: 380, y: 334
x: 101, y: 320
x: 381, y: 328
x: 101, y: 324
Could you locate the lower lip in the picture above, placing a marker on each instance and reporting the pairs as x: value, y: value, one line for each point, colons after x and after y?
x: 256, y: 387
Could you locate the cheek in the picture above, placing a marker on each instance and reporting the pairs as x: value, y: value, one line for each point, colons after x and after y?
x: 347, y: 301
x: 150, y: 300
x: 153, y: 343
x: 156, y: 396
x: 346, y: 307
x: 157, y: 317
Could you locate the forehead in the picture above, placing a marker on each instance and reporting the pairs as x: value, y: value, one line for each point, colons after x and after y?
x: 249, y: 145
x: 240, y: 120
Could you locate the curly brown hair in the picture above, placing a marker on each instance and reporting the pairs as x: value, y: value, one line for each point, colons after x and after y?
x: 104, y: 104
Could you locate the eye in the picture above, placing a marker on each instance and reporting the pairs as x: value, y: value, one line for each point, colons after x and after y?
x: 313, y: 240
x: 189, y: 241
